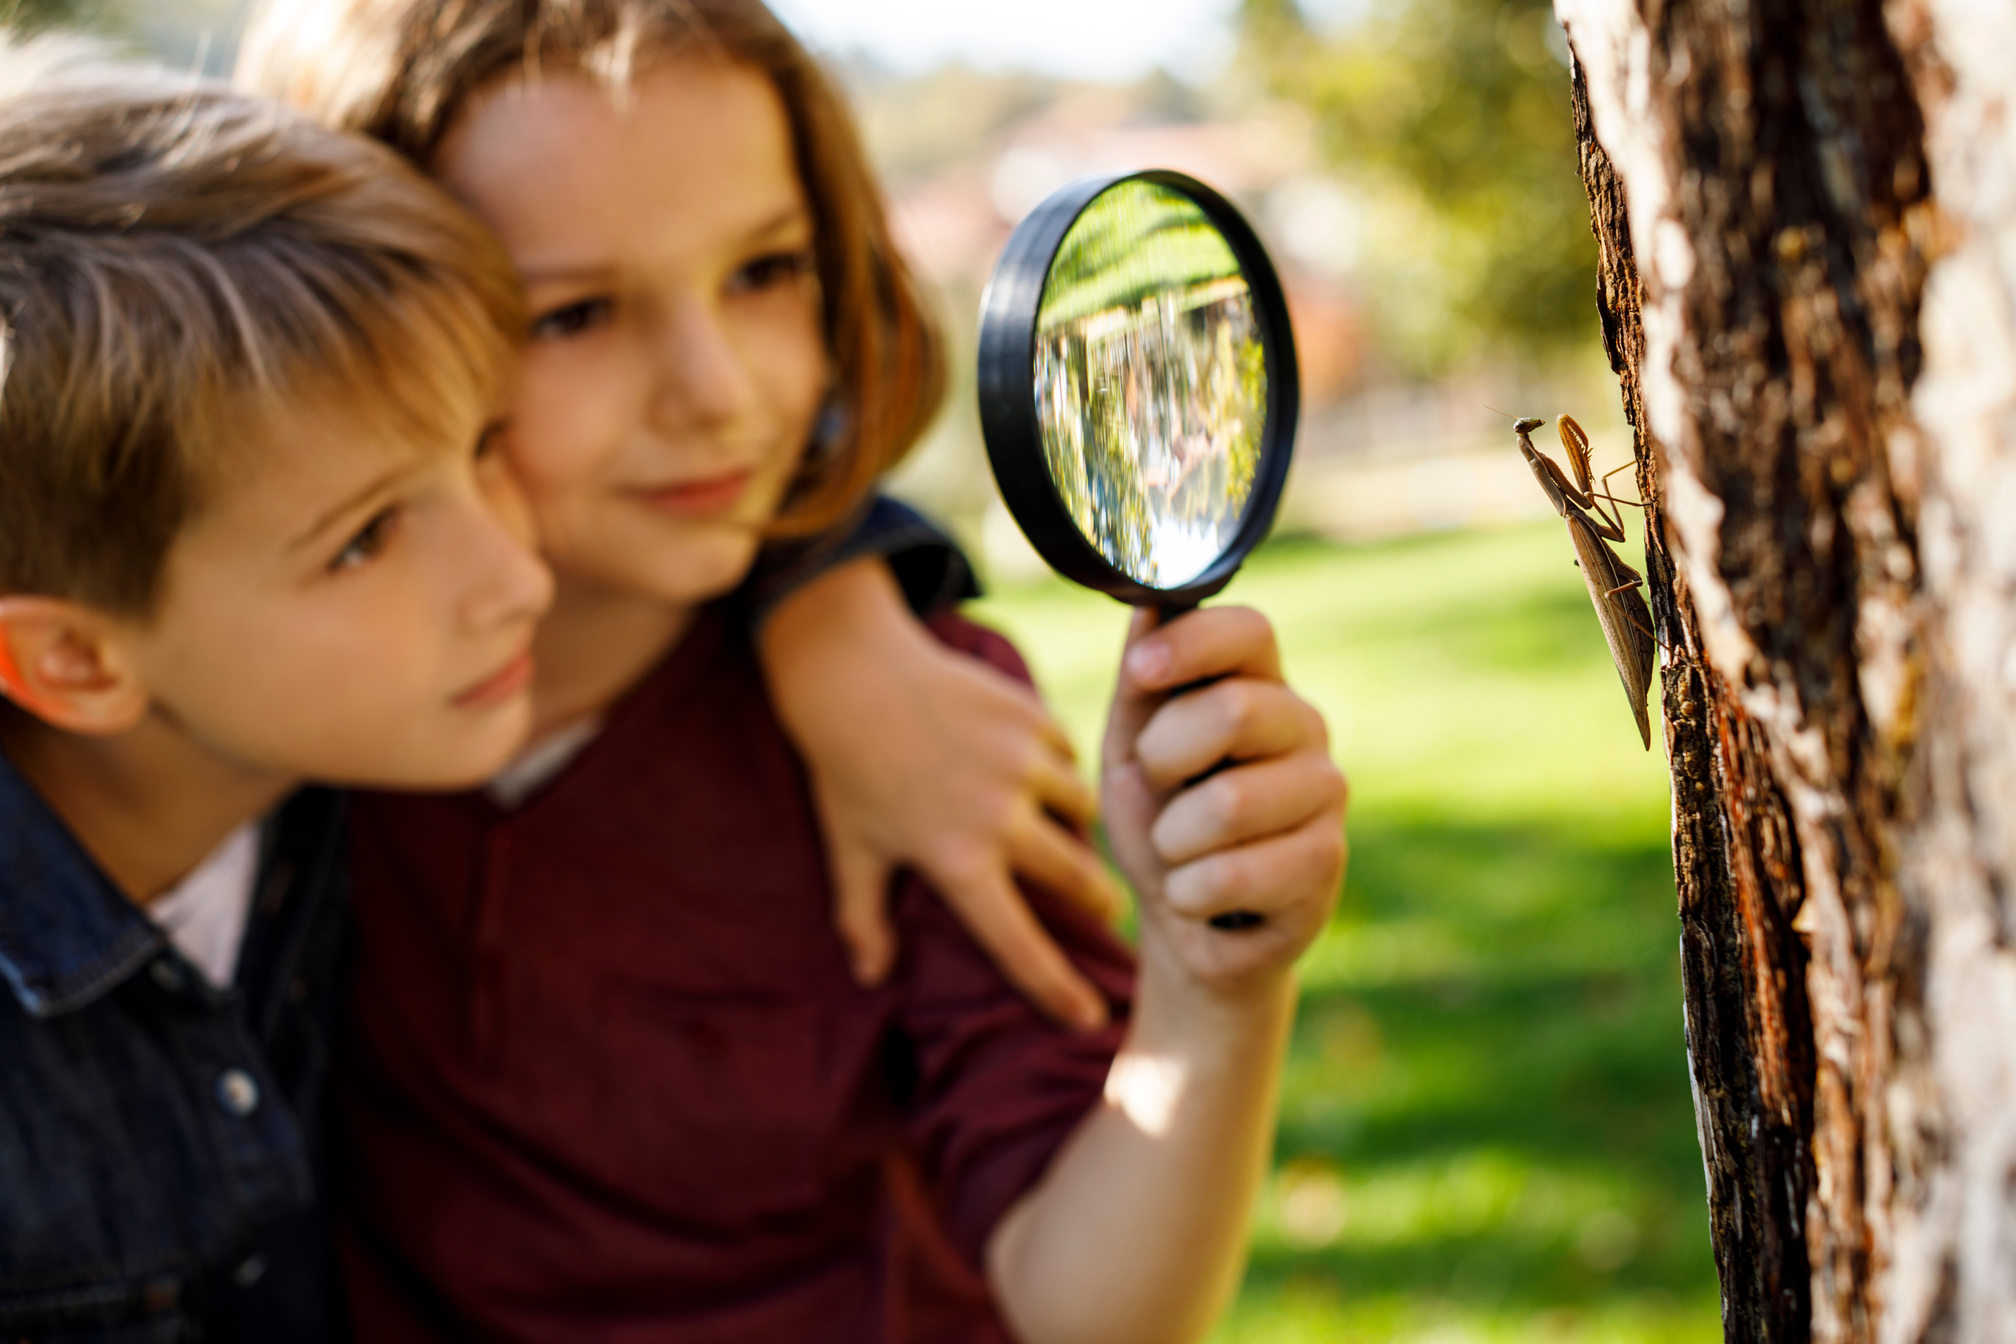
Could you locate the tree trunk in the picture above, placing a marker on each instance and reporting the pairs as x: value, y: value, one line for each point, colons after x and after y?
x: 1807, y: 219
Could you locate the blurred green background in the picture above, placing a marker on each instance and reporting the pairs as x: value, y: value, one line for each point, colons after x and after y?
x: 1486, y: 1132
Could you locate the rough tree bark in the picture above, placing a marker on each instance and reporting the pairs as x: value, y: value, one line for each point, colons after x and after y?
x: 1807, y: 219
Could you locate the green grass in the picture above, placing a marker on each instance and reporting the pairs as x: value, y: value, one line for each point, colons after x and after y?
x: 1485, y: 1128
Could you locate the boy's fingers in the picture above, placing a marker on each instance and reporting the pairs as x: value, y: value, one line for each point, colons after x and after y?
x: 1059, y: 787
x: 1248, y: 802
x: 1059, y: 741
x: 1241, y: 718
x: 1211, y: 642
x: 1034, y: 716
x: 1014, y: 702
x: 1002, y: 923
x: 1052, y: 857
x: 1292, y: 876
x: 861, y: 910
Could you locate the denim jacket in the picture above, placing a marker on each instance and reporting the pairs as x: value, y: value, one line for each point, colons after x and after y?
x: 929, y: 566
x: 159, y: 1139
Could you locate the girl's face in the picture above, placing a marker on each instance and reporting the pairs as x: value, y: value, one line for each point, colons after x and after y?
x: 676, y: 363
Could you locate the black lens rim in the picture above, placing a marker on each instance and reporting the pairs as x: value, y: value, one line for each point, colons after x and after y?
x: 1007, y: 378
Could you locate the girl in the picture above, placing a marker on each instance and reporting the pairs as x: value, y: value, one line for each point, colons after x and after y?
x: 918, y: 757
x: 610, y: 1077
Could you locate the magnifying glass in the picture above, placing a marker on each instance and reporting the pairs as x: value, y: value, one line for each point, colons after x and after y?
x: 1137, y: 389
x: 1137, y: 386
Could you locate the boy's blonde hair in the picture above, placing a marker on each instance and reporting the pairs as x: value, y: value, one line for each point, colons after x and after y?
x: 177, y: 263
x: 401, y: 70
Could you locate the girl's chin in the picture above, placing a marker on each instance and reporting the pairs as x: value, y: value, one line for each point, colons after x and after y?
x: 693, y: 571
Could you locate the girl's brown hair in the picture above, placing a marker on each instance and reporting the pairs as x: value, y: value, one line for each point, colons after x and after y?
x: 401, y: 70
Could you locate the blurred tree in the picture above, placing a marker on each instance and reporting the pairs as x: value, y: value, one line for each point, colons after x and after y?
x: 1453, y: 115
x: 28, y: 15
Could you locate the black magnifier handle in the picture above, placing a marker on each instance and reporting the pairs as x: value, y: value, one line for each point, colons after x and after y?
x: 1232, y: 921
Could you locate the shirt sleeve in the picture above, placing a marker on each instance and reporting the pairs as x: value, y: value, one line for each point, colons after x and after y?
x: 998, y: 1087
x: 931, y: 569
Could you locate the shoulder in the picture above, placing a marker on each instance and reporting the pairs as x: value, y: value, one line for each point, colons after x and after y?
x: 970, y: 637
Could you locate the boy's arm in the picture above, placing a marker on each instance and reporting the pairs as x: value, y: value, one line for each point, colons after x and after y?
x: 929, y: 568
x: 924, y: 758
x: 1137, y: 1229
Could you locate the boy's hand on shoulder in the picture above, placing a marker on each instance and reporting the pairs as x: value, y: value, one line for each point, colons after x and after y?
x: 1221, y: 797
x: 924, y: 757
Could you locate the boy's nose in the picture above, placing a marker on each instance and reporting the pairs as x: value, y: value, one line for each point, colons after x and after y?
x: 512, y: 583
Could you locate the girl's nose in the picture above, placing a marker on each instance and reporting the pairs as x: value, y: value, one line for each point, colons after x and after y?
x: 701, y: 376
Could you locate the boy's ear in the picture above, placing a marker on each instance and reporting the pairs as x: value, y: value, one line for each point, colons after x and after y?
x: 67, y: 664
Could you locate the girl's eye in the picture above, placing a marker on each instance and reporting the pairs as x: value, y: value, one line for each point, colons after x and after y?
x: 777, y: 268
x: 370, y: 540
x: 572, y: 319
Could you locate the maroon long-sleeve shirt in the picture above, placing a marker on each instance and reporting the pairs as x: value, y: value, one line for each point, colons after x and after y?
x: 608, y: 1077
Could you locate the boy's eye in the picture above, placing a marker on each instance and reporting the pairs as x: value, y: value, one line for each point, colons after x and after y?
x: 369, y: 541
x: 572, y: 319
x: 775, y: 268
x: 488, y: 440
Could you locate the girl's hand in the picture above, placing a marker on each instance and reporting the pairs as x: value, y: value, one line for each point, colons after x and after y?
x: 921, y: 756
x: 1222, y: 798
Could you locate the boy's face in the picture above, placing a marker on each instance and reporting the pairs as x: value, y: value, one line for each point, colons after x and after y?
x: 354, y: 607
x: 677, y: 358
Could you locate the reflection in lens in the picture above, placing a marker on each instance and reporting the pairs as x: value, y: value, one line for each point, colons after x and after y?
x: 1151, y: 383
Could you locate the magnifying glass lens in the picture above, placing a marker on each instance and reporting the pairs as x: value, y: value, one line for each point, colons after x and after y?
x: 1150, y: 383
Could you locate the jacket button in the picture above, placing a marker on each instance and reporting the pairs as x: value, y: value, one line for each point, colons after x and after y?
x: 250, y: 1270
x: 237, y: 1093
x: 164, y: 973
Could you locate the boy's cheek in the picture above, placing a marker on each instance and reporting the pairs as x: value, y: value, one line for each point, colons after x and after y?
x: 377, y: 723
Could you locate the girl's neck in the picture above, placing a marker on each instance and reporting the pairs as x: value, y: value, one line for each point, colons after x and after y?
x: 594, y: 645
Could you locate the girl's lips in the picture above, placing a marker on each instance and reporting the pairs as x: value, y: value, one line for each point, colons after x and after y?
x: 691, y: 499
x: 501, y: 686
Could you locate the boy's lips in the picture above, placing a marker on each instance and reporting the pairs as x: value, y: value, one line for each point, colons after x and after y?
x: 697, y: 498
x: 501, y: 686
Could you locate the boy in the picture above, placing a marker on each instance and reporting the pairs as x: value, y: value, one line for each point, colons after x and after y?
x: 248, y: 369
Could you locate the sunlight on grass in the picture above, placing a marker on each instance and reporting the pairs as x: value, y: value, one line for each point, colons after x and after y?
x: 1485, y: 1127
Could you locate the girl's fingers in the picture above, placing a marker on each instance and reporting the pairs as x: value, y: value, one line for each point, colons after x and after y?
x: 1055, y: 859
x: 1242, y: 718
x: 1133, y: 702
x: 1210, y: 642
x: 1246, y: 803
x: 1293, y: 876
x: 987, y: 903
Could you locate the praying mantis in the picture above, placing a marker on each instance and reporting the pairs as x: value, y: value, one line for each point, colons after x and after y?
x: 1613, y: 585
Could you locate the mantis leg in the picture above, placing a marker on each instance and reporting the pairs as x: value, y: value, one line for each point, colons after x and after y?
x: 1605, y: 494
x: 1626, y: 611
